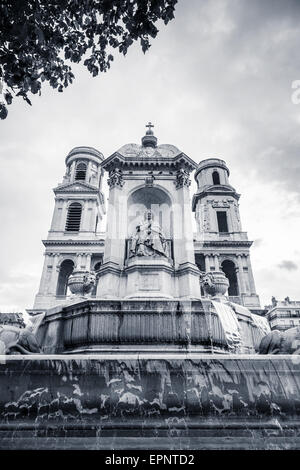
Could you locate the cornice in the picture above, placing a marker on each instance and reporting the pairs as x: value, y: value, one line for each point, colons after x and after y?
x: 223, y: 191
x: 73, y: 242
x: 220, y: 243
x: 120, y: 161
x: 76, y: 186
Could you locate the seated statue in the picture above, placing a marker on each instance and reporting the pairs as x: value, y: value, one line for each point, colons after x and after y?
x: 148, y: 239
x: 281, y: 342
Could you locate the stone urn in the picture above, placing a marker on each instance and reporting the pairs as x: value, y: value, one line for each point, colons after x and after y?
x: 81, y: 283
x: 214, y: 283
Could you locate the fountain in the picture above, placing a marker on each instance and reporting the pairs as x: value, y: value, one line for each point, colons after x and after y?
x: 150, y: 374
x: 145, y: 359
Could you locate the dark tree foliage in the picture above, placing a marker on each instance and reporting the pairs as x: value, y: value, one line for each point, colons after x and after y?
x: 39, y: 38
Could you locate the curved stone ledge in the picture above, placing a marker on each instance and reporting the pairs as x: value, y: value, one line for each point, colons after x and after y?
x: 141, y: 401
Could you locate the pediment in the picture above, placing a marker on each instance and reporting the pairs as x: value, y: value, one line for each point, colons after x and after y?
x: 155, y: 158
x: 76, y: 186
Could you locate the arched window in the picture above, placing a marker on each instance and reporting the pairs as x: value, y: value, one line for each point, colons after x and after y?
x: 74, y: 217
x: 66, y: 268
x: 80, y: 172
x: 229, y: 270
x: 216, y: 177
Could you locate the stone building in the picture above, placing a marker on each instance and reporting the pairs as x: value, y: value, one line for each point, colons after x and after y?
x: 12, y: 318
x: 220, y: 242
x: 74, y: 239
x: 148, y: 187
x: 284, y: 314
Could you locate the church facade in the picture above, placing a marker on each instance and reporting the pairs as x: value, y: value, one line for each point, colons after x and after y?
x: 149, y: 248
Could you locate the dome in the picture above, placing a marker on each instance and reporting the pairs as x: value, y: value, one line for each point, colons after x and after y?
x: 84, y: 152
x: 136, y: 150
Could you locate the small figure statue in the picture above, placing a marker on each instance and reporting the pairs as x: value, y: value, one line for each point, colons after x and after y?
x: 148, y: 239
x: 214, y: 283
x: 89, y: 281
x: 274, y: 301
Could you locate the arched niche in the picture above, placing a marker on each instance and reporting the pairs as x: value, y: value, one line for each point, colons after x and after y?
x: 155, y: 199
x: 65, y: 270
x: 229, y: 270
x: 216, y: 177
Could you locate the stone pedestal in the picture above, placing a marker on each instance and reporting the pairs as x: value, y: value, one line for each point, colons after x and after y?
x: 149, y: 277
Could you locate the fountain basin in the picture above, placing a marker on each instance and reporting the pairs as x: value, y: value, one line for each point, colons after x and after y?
x: 149, y: 401
x: 128, y: 324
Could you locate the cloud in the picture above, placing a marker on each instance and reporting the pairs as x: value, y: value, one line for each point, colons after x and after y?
x: 289, y: 265
x: 258, y: 242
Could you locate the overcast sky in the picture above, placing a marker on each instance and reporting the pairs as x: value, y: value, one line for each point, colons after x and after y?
x: 217, y: 82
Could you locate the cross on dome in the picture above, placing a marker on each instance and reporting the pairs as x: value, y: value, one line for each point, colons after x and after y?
x: 149, y: 139
x: 149, y: 131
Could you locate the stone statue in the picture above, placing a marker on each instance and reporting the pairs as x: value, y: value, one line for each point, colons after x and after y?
x: 281, y: 342
x: 81, y: 282
x: 148, y: 239
x: 14, y: 340
x: 274, y: 301
x: 214, y: 283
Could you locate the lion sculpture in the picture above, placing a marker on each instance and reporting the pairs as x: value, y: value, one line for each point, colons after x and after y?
x: 14, y: 340
x: 281, y: 342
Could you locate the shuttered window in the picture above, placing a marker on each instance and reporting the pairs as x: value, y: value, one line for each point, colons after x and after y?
x: 80, y: 172
x: 74, y: 217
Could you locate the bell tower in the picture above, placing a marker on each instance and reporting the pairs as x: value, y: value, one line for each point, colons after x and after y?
x: 220, y: 242
x: 74, y: 239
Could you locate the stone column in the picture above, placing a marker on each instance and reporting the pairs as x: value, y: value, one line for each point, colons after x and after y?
x: 56, y: 219
x: 54, y: 274
x: 188, y: 274
x: 116, y: 232
x: 241, y: 275
x: 207, y: 263
x: 251, y: 277
x: 44, y: 279
x: 83, y: 222
x: 78, y: 261
x: 217, y: 266
x: 72, y: 171
x: 63, y: 219
x: 88, y: 261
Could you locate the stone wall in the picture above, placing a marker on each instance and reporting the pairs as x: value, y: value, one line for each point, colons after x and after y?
x: 151, y: 402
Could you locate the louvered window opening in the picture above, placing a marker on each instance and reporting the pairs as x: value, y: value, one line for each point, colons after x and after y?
x: 80, y: 172
x: 74, y: 217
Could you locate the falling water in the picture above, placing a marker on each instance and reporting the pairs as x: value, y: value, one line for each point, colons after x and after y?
x: 230, y: 325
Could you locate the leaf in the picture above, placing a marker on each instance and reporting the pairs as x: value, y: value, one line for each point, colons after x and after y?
x: 39, y: 38
x: 8, y: 97
x: 3, y: 111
